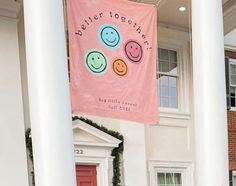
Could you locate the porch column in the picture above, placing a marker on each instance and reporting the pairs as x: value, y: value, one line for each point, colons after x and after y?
x: 134, y: 155
x: 49, y: 98
x: 209, y: 93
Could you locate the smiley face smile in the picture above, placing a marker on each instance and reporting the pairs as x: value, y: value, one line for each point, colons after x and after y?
x: 96, y: 62
x: 120, y: 67
x: 134, y: 51
x: 134, y: 56
x: 110, y: 36
x: 111, y: 41
x: 97, y: 67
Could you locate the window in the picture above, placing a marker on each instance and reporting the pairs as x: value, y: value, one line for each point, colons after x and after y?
x: 232, y: 178
x: 170, y: 173
x: 232, y: 74
x: 168, y: 77
x: 169, y: 179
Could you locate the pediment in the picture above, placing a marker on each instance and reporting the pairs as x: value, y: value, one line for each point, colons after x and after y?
x: 87, y: 135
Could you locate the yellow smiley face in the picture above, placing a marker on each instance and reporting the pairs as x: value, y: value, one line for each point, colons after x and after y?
x: 120, y: 67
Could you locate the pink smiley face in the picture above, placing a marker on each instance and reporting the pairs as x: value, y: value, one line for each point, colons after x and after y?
x: 133, y: 51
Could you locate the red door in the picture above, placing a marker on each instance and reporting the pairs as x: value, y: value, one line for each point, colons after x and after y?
x: 86, y: 175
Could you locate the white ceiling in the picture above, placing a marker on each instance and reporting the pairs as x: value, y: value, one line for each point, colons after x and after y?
x: 169, y: 13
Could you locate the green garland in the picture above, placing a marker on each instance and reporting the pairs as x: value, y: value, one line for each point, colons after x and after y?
x: 29, y: 147
x: 115, y: 153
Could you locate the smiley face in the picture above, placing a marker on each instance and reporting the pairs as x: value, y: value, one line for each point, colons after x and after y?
x: 110, y: 36
x: 134, y: 51
x: 120, y: 67
x: 96, y: 62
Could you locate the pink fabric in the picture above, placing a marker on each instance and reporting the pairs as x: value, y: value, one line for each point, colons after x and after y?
x: 113, y: 50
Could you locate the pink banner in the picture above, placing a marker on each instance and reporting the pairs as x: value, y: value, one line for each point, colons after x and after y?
x: 113, y: 50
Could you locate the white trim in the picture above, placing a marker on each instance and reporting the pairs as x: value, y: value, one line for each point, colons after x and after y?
x: 174, y: 27
x: 233, y: 109
x: 95, y: 152
x: 113, y: 142
x: 9, y: 9
x: 232, y: 60
x: 178, y: 41
x: 95, y: 144
x: 230, y: 48
x: 186, y: 168
x: 174, y: 114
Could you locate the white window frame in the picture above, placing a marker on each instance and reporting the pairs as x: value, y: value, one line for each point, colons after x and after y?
x: 231, y: 61
x: 179, y: 40
x: 183, y: 79
x: 185, y: 168
x: 178, y: 51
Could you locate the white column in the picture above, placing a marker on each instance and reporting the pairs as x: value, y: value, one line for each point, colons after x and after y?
x: 134, y: 155
x: 49, y: 93
x: 209, y: 94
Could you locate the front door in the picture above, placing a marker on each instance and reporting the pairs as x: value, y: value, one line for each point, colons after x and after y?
x: 86, y: 175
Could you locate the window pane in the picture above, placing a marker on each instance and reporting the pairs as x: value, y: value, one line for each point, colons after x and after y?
x: 167, y: 78
x: 177, y: 178
x: 161, y: 178
x: 232, y: 96
x: 164, y: 54
x: 164, y: 81
x: 173, y: 81
x: 169, y: 178
x: 167, y: 91
x: 173, y: 103
x: 173, y: 68
x: 164, y: 66
x: 173, y: 92
x: 232, y: 101
x: 232, y: 91
x: 173, y: 55
x: 164, y: 102
x: 233, y: 79
x: 164, y: 91
x: 233, y: 69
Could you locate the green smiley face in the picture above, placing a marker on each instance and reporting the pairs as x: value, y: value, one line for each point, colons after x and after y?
x: 96, y: 62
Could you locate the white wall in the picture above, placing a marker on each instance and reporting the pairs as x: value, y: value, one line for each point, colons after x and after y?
x: 172, y: 140
x: 13, y: 163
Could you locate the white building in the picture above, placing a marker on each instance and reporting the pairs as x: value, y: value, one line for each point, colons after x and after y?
x: 187, y: 148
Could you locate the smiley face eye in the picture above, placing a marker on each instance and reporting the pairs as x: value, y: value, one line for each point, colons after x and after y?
x: 111, y: 32
x: 131, y: 46
x: 93, y: 59
x: 136, y: 48
x: 106, y: 33
x: 98, y: 57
